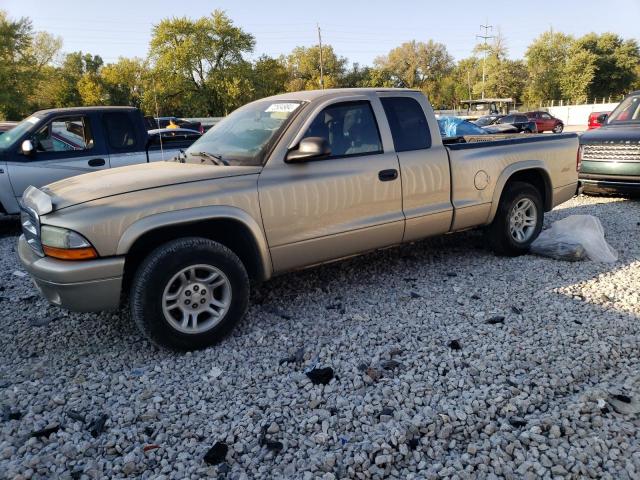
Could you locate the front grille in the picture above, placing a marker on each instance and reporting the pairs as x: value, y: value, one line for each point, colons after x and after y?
x: 31, y: 229
x: 612, y: 153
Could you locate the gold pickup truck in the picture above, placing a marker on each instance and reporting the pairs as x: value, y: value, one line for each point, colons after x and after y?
x: 282, y: 183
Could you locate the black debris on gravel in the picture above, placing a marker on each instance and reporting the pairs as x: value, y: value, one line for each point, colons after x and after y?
x: 97, y: 425
x: 517, y: 422
x: 495, y: 320
x: 216, y: 454
x: 45, y: 432
x: 320, y: 375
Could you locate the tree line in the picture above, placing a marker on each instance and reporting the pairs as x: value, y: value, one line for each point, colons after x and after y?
x: 201, y: 67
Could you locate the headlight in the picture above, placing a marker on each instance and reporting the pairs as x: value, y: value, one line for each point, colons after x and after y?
x: 65, y: 244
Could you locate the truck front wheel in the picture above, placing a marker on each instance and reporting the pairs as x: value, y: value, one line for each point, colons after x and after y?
x: 518, y: 221
x: 189, y: 293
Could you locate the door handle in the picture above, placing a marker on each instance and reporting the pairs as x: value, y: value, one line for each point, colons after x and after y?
x: 96, y: 162
x: 388, y: 175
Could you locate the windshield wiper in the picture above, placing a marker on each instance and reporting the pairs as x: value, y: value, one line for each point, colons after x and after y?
x: 217, y: 159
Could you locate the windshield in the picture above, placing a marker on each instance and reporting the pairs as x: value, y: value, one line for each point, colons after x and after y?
x: 9, y: 138
x: 241, y: 138
x: 455, y: 127
x: 627, y: 111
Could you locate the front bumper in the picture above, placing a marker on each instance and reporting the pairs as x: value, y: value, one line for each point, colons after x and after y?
x: 610, y: 184
x: 83, y: 286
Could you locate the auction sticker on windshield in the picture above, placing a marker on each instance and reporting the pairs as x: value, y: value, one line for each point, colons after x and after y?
x: 282, y: 107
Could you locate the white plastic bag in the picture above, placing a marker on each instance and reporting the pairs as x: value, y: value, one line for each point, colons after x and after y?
x: 573, y: 237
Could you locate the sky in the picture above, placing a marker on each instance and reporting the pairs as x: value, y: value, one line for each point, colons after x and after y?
x: 358, y: 30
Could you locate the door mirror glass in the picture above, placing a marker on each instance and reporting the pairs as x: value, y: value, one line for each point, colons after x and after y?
x: 309, y: 148
x: 602, y: 119
x: 27, y: 148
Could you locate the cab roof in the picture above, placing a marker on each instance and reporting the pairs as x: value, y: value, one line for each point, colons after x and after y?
x: 311, y: 95
x: 78, y: 110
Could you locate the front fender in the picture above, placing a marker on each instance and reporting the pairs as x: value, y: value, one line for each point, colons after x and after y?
x: 507, y: 173
x: 192, y: 215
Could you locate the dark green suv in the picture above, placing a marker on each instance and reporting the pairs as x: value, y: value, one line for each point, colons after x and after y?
x: 610, y: 155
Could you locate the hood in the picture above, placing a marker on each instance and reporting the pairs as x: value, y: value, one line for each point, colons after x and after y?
x: 115, y: 181
x: 612, y: 134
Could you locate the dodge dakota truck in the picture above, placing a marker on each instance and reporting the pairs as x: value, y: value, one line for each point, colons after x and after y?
x: 283, y: 183
x: 54, y: 144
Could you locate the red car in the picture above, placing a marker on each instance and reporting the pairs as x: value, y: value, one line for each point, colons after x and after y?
x: 546, y: 122
x: 597, y: 119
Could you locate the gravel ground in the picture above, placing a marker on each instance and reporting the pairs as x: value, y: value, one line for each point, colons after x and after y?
x: 448, y: 362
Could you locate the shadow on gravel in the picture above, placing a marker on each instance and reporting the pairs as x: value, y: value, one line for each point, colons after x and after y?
x: 401, y: 268
x: 9, y: 225
x: 445, y: 250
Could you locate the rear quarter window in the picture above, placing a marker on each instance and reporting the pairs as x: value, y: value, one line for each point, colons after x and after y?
x: 409, y: 127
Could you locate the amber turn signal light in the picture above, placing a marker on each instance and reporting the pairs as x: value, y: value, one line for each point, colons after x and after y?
x: 86, y: 253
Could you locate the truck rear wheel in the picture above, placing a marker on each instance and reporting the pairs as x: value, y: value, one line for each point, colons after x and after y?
x: 518, y: 221
x: 189, y: 293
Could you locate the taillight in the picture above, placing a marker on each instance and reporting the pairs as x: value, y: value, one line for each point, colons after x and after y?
x: 201, y: 129
x: 578, y: 158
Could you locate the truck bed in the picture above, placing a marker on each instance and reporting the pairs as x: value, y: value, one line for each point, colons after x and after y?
x: 480, y: 167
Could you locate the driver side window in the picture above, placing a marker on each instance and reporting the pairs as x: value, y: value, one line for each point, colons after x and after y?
x: 64, y: 134
x: 349, y: 128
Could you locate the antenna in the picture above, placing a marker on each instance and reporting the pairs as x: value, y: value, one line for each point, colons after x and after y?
x: 155, y: 98
x: 321, y: 63
x: 485, y: 37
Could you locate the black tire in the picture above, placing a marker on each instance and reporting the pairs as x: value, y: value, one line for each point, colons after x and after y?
x: 558, y: 128
x: 157, y: 270
x: 498, y: 232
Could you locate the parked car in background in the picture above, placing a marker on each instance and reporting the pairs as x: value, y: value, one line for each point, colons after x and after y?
x: 6, y: 126
x: 546, y: 122
x: 283, y: 183
x: 597, y: 119
x: 511, y: 123
x: 54, y: 144
x: 164, y: 122
x: 610, y: 155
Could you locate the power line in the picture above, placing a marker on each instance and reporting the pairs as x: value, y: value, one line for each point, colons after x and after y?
x: 485, y: 37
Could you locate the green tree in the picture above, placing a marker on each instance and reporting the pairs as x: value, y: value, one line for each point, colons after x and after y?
x: 269, y: 76
x: 193, y: 61
x: 15, y: 43
x: 303, y: 67
x: 545, y: 59
x: 124, y: 81
x: 613, y: 60
x: 418, y: 65
x: 78, y: 81
x: 578, y: 74
x: 357, y: 77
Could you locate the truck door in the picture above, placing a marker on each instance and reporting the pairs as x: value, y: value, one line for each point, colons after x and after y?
x: 65, y: 146
x: 124, y: 141
x: 346, y: 203
x: 424, y: 164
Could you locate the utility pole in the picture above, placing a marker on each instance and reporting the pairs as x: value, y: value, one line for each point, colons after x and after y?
x: 321, y: 64
x: 485, y: 37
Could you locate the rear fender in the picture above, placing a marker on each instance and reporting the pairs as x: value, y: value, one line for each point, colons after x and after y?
x: 537, y: 166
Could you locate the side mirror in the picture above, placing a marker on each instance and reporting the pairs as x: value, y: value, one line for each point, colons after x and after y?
x: 27, y: 148
x: 602, y: 119
x: 309, y: 148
